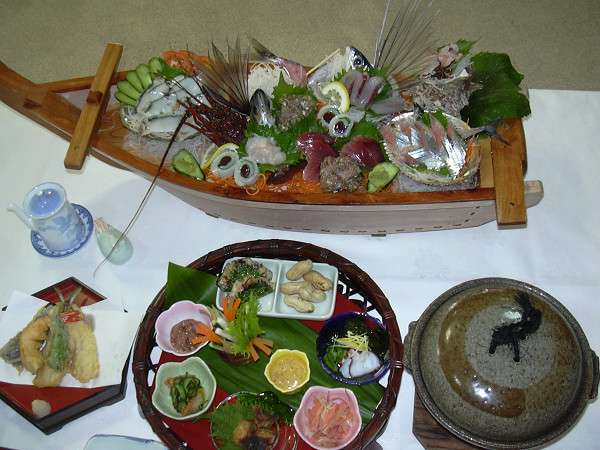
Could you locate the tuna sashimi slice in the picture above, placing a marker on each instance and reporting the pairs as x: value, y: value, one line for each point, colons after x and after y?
x: 364, y: 151
x: 315, y: 146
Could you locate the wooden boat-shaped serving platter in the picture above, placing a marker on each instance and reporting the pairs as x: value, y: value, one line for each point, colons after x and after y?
x: 80, y: 110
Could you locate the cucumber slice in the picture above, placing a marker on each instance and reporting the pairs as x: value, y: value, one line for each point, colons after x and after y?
x: 126, y: 88
x: 185, y: 163
x: 156, y: 65
x: 134, y: 80
x: 123, y: 98
x: 143, y: 72
x: 381, y: 175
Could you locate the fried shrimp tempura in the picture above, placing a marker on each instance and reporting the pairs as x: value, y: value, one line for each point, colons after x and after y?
x: 30, y: 343
x: 84, y: 352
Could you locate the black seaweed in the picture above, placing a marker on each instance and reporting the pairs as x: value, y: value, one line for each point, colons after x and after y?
x: 511, y: 334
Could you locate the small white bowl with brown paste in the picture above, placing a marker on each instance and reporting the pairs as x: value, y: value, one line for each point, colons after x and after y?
x: 176, y: 327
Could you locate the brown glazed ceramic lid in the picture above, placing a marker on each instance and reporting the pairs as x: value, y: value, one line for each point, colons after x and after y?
x: 501, y: 364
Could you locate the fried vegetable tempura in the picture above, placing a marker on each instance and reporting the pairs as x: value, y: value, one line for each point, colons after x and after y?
x: 82, y: 343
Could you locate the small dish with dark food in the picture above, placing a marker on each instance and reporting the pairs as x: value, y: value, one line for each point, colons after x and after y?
x: 253, y: 421
x: 176, y: 327
x: 353, y: 348
x: 184, y: 390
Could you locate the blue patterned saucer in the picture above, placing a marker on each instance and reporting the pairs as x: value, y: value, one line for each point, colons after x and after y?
x: 88, y: 226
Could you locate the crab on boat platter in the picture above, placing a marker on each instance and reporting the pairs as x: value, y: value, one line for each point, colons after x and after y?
x: 348, y: 146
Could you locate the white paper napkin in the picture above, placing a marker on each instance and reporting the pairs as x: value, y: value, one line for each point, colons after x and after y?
x: 114, y: 330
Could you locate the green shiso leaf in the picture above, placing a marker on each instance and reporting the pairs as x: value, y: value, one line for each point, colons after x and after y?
x: 245, y: 327
x: 282, y: 89
x: 269, y: 403
x: 169, y: 72
x: 224, y: 420
x: 465, y: 46
x: 188, y: 284
x: 499, y: 97
x: 426, y: 116
x: 362, y: 128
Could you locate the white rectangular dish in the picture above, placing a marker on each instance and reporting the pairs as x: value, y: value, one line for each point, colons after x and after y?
x: 272, y: 305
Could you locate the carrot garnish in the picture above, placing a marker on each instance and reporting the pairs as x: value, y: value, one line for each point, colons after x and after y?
x: 230, y: 307
x: 205, y: 332
x: 266, y: 342
x: 199, y: 340
x: 252, y: 351
x: 262, y: 346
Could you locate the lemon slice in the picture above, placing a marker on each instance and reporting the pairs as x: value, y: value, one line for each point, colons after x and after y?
x: 337, y: 95
x: 210, y: 155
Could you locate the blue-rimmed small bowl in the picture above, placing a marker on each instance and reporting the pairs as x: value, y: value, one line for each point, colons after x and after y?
x: 336, y: 327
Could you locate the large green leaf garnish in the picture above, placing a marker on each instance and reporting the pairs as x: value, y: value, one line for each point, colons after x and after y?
x: 188, y: 284
x: 499, y: 97
x: 184, y: 283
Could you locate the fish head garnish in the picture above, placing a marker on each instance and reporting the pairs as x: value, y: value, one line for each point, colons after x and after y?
x: 356, y: 60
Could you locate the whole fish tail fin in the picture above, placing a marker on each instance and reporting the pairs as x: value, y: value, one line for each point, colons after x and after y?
x: 405, y: 46
x: 259, y: 51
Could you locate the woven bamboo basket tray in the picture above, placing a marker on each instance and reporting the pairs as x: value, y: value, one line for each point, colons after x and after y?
x: 353, y: 283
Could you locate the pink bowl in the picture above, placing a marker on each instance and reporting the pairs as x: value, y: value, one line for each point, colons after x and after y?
x: 179, y: 311
x: 311, y: 396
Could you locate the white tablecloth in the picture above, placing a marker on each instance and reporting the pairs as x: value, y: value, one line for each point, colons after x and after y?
x: 559, y: 250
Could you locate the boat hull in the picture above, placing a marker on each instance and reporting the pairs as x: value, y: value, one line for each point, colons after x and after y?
x: 503, y: 195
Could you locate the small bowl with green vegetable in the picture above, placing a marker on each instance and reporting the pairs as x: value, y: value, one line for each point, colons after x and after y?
x: 353, y: 348
x: 184, y: 390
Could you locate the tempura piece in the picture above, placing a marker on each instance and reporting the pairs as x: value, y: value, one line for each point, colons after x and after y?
x: 48, y: 377
x: 84, y: 352
x: 30, y: 343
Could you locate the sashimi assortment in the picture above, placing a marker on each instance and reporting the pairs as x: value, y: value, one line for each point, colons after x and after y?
x: 416, y: 108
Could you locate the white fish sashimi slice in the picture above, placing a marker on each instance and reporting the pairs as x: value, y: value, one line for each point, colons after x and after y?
x: 191, y: 86
x: 165, y: 106
x: 155, y: 92
x: 164, y: 127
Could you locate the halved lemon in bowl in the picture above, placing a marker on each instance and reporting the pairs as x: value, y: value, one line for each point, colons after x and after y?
x: 337, y: 95
x: 288, y: 370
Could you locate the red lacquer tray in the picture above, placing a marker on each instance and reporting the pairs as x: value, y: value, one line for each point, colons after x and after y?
x: 66, y: 403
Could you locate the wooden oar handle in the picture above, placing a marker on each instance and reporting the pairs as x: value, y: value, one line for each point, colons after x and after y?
x: 508, y: 162
x: 95, y: 103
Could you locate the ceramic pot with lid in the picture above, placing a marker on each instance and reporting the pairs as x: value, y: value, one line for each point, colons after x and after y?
x: 501, y: 364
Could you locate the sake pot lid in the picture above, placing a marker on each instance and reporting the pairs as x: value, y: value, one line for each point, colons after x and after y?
x: 501, y: 364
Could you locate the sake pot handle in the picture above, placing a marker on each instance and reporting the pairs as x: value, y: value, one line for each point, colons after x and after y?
x: 595, y: 376
x: 408, y: 345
